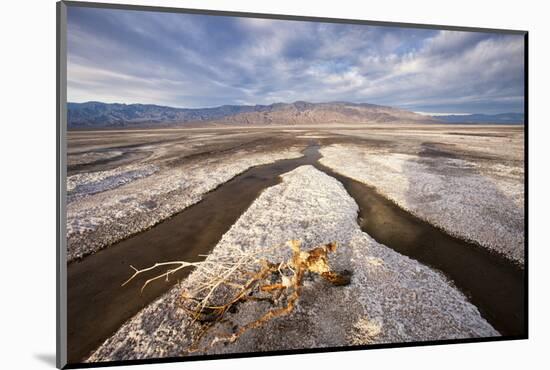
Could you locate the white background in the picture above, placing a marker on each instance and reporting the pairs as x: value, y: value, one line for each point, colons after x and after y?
x: 27, y: 205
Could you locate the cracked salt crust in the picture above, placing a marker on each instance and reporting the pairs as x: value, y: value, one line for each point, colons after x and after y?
x: 478, y: 202
x: 391, y: 298
x: 107, y: 206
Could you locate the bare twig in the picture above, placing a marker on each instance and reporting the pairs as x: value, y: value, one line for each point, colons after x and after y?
x: 246, y: 276
x: 182, y: 264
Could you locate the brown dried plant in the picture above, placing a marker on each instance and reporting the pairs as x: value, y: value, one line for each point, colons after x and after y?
x: 230, y: 278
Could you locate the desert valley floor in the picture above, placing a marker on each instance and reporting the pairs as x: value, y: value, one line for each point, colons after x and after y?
x: 429, y: 220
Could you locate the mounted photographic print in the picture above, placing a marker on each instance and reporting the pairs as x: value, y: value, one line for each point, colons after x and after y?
x: 235, y: 184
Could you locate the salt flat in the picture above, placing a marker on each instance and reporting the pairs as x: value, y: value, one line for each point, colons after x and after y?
x: 109, y: 204
x: 123, y: 183
x: 467, y: 180
x: 475, y: 197
x: 391, y: 298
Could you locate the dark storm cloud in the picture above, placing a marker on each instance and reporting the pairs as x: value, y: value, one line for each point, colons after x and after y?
x: 198, y: 60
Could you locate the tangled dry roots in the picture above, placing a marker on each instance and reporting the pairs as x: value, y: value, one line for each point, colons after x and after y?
x: 237, y: 277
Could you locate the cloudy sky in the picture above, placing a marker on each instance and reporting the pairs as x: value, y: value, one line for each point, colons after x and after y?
x: 185, y: 60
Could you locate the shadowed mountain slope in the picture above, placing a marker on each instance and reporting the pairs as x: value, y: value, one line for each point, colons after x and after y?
x: 97, y: 114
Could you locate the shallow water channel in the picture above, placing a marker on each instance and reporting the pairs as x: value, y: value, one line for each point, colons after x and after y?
x: 98, y: 305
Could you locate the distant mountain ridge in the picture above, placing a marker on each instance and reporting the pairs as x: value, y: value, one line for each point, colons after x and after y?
x: 302, y: 112
x: 99, y: 115
x: 103, y: 115
x: 502, y: 118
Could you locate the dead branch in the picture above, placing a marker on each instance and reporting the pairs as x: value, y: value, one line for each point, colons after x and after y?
x: 237, y: 276
x: 182, y: 264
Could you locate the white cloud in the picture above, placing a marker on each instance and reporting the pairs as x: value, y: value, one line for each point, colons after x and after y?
x: 188, y: 60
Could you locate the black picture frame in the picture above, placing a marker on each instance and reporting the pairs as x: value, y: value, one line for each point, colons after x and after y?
x: 61, y: 111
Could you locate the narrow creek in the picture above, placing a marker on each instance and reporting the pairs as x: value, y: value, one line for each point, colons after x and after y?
x: 98, y: 305
x: 493, y: 284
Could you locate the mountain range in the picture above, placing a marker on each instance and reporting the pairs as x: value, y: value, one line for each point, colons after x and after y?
x: 97, y: 114
x: 103, y: 115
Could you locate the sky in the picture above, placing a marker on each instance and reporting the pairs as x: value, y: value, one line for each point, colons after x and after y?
x: 194, y: 61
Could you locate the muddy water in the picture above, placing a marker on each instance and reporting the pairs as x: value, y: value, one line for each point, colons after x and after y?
x: 494, y: 285
x: 108, y: 163
x: 98, y: 305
